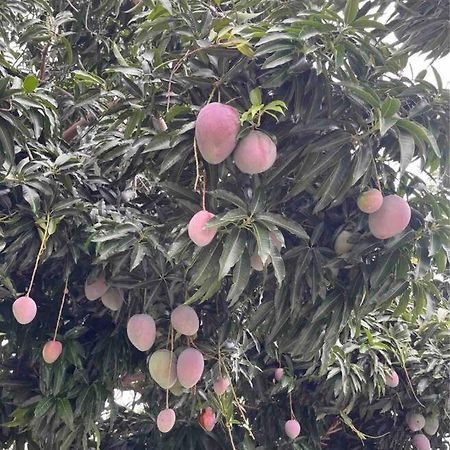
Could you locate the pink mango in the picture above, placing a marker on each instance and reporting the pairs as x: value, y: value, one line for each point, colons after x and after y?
x: 216, y: 131
x: 292, y: 428
x: 392, y: 218
x: 24, y: 309
x: 165, y: 420
x: 370, y: 201
x: 200, y: 235
x: 255, y: 153
x: 51, y: 351
x: 190, y: 367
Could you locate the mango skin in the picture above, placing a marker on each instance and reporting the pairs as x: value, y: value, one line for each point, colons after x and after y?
x: 292, y: 428
x: 431, y: 425
x: 190, y: 367
x: 159, y: 364
x: 24, y: 309
x: 221, y: 386
x: 421, y: 442
x: 392, y: 380
x: 370, y: 201
x: 166, y: 420
x: 256, y: 153
x: 199, y: 235
x: 216, y: 131
x: 141, y: 331
x: 95, y: 289
x: 279, y: 373
x: 52, y: 351
x: 184, y: 320
x: 391, y: 219
x: 207, y: 419
x: 415, y: 421
x: 341, y: 244
x: 113, y: 299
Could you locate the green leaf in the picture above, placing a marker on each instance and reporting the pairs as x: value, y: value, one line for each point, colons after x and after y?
x: 351, y: 11
x: 43, y: 406
x: 261, y: 234
x: 389, y: 107
x: 283, y: 222
x: 32, y: 198
x: 256, y: 97
x: 30, y: 83
x: 221, y: 220
x: 6, y: 143
x: 420, y: 133
x: 386, y: 123
x: 64, y: 411
x: 407, y: 147
x: 233, y: 247
x: 241, y: 276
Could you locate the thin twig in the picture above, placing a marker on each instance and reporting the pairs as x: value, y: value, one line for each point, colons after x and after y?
x: 40, y: 252
x: 197, y: 166
x: 204, y: 191
x: 43, y: 62
x: 61, y: 308
x: 231, y: 437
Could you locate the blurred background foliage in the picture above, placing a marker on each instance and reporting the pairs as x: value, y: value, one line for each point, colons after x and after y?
x: 98, y: 101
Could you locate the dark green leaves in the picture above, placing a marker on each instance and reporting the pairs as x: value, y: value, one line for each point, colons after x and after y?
x: 285, y: 223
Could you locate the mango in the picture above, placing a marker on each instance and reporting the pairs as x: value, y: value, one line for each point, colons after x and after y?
x: 163, y: 368
x: 94, y: 289
x: 415, y: 421
x: 421, y: 442
x: 200, y: 235
x: 216, y: 131
x: 141, y: 331
x: 370, y: 201
x: 292, y: 428
x: 190, y: 367
x: 256, y: 153
x: 391, y: 219
x: 165, y: 420
x: 51, y: 351
x: 113, y: 299
x: 24, y: 309
x: 221, y: 385
x: 207, y: 419
x: 184, y: 320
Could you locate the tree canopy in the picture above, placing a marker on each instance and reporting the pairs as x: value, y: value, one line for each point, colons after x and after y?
x: 100, y: 175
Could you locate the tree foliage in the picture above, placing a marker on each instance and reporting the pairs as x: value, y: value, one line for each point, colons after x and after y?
x: 98, y: 101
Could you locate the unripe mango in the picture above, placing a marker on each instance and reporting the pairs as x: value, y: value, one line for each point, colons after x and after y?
x: 163, y: 368
x: 113, y: 299
x: 200, y: 235
x: 207, y: 419
x: 279, y: 373
x: 431, y: 425
x: 216, y: 131
x: 24, y: 309
x: 190, y: 367
x: 184, y: 320
x: 341, y: 244
x: 392, y: 218
x: 51, y: 351
x: 256, y: 261
x: 221, y: 386
x: 421, y: 442
x: 141, y: 331
x: 370, y: 201
x: 165, y: 420
x: 255, y: 153
x: 96, y: 288
x: 292, y: 428
x: 177, y: 389
x: 415, y: 421
x: 392, y: 379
